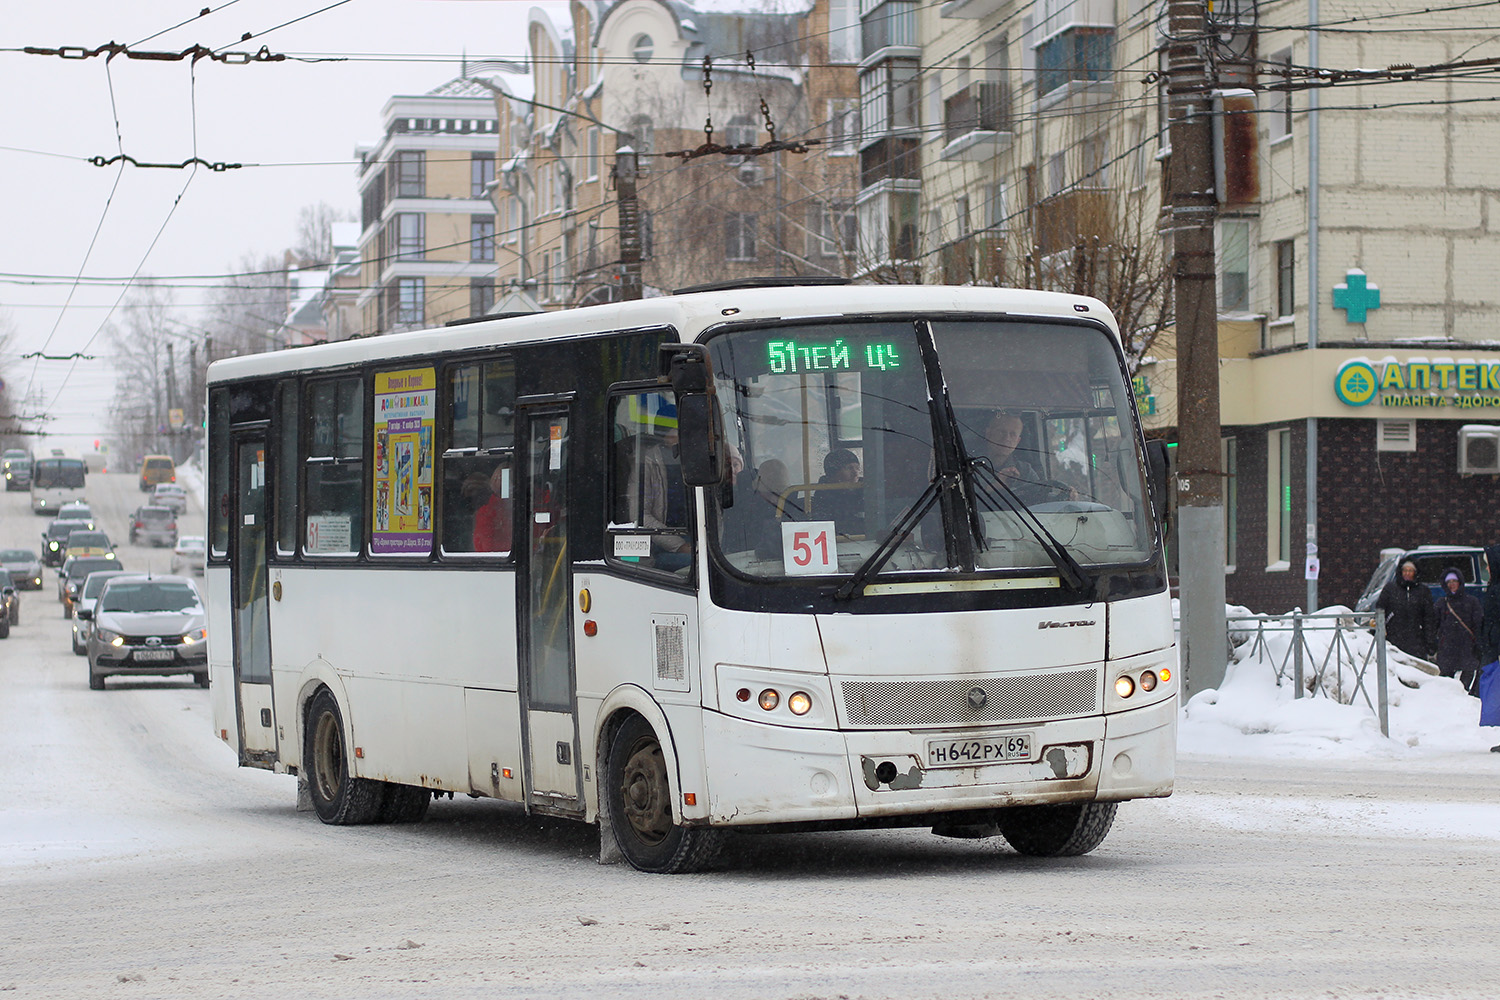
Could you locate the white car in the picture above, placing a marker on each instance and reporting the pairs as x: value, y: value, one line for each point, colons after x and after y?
x: 169, y: 495
x: 189, y: 555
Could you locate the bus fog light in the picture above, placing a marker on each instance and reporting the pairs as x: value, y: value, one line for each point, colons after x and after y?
x: 769, y: 699
x: 1124, y: 686
x: 1148, y: 681
x: 799, y: 703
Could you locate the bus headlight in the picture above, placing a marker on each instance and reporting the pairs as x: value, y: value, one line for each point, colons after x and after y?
x: 800, y: 703
x: 1148, y: 681
x: 769, y: 699
x: 1124, y: 686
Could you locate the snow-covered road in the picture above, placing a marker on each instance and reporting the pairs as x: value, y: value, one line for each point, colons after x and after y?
x: 137, y: 861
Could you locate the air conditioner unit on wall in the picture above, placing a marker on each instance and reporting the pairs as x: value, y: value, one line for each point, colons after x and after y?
x: 1479, y: 450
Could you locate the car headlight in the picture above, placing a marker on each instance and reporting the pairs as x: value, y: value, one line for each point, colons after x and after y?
x: 112, y: 638
x: 196, y: 635
x: 52, y: 546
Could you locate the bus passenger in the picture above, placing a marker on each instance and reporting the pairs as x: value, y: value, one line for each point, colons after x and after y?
x: 492, y: 520
x: 843, y: 503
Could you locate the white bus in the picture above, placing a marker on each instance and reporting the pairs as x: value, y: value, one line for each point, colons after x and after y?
x: 737, y: 558
x: 57, y: 477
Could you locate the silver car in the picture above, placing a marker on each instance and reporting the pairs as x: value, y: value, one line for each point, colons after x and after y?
x: 151, y: 625
x: 87, y: 595
x: 24, y: 566
x: 169, y: 495
x: 189, y: 555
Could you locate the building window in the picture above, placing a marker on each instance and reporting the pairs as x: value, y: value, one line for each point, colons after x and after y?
x: 591, y: 164
x: 481, y: 295
x: 1286, y: 275
x: 481, y: 174
x: 843, y: 127
x: 889, y: 96
x: 411, y: 174
x: 1279, y: 102
x: 1057, y: 173
x: 739, y: 236
x: 1234, y: 265
x: 512, y: 219
x: 411, y: 305
x: 893, y: 22
x: 832, y: 229
x: 641, y: 48
x: 1095, y: 162
x: 1229, y: 458
x: 887, y: 228
x: 411, y: 236
x: 843, y: 31
x: 1279, y: 499
x: 1075, y: 54
x: 481, y: 237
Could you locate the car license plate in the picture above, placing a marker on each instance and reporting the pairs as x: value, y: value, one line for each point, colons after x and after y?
x: 985, y: 748
x: 152, y: 655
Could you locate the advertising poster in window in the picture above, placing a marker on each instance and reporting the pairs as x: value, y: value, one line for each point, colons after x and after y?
x: 405, y: 408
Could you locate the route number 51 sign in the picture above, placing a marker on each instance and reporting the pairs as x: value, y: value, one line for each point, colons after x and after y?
x: 809, y: 547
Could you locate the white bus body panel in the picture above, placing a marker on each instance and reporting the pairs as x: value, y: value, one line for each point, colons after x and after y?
x: 963, y: 642
x: 1141, y: 625
x: 221, y: 653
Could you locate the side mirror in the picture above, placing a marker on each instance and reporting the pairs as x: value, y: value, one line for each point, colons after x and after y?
x: 699, y: 429
x: 1159, y: 479
x: 86, y: 614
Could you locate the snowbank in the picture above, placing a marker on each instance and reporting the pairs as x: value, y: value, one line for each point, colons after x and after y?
x: 1254, y: 714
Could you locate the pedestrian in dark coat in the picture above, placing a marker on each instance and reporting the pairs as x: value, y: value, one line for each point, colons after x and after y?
x: 1459, y: 619
x: 1411, y: 618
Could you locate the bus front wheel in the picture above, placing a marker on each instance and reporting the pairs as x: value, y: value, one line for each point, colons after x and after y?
x: 1056, y: 831
x: 337, y: 797
x: 640, y: 806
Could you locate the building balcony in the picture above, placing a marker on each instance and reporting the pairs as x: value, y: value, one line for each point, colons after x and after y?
x: 976, y: 122
x: 1063, y: 221
x: 893, y: 157
x: 971, y: 9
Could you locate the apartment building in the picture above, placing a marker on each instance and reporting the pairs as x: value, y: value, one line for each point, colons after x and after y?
x: 610, y: 74
x: 427, y: 221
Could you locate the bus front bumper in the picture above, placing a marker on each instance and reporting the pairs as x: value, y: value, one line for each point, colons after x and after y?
x: 758, y: 774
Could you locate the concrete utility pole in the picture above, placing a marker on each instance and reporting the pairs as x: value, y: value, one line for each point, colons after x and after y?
x: 630, y: 224
x: 1200, y: 486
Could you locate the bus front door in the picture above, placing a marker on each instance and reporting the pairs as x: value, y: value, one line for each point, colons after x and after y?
x: 545, y: 607
x: 252, y: 618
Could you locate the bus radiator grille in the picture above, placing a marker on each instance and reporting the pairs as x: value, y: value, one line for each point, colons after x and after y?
x: 947, y: 703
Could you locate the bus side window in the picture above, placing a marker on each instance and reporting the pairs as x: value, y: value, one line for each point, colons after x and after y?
x: 220, y: 501
x: 650, y: 506
x: 285, y: 470
x: 335, y: 467
x: 478, y: 473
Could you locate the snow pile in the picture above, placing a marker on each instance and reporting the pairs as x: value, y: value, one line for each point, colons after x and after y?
x: 1254, y: 714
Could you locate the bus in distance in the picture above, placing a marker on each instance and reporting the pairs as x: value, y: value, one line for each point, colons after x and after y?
x: 739, y: 558
x: 56, y: 478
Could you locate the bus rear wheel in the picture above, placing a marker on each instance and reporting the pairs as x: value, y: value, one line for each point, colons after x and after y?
x: 1056, y: 831
x: 337, y: 797
x: 640, y: 807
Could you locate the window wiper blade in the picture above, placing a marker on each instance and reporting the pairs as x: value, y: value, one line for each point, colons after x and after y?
x: 996, y: 490
x: 903, y: 527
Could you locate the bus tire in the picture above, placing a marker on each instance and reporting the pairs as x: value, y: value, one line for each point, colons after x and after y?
x: 640, y: 806
x: 338, y: 798
x: 1064, y: 831
x: 404, y: 803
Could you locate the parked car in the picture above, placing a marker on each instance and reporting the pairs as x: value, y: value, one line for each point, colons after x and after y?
x: 87, y: 595
x: 70, y: 578
x: 89, y: 543
x: 55, y: 539
x: 157, y: 469
x: 11, y: 598
x: 15, y: 466
x: 169, y: 495
x: 24, y: 566
x: 147, y: 625
x: 153, y: 525
x: 1432, y: 562
x: 189, y: 555
x: 4, y: 620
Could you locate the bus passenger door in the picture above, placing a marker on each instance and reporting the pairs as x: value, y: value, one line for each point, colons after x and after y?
x: 544, y: 593
x: 251, y: 618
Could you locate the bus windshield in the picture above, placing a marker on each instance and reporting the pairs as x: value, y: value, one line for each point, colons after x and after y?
x: 58, y: 473
x: 838, y: 442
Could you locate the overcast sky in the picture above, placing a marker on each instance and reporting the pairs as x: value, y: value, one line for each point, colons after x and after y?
x: 262, y: 113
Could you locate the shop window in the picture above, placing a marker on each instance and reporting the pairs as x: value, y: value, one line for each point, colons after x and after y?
x: 1279, y: 500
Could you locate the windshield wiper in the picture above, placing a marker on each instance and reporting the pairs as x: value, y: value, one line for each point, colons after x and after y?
x: 899, y: 532
x: 997, y: 491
